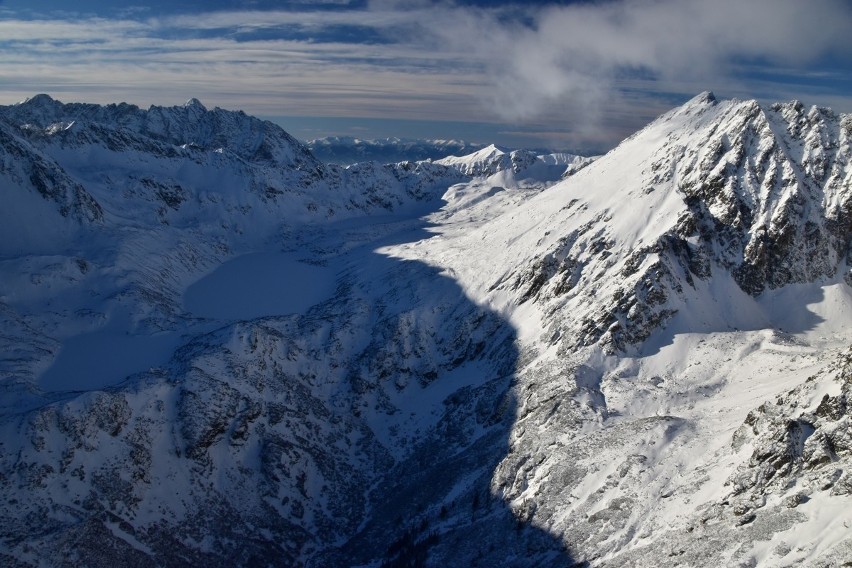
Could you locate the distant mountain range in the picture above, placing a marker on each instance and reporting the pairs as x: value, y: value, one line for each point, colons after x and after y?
x: 346, y: 150
x: 217, y: 349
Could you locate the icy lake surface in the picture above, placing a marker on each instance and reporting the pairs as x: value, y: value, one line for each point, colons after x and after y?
x: 246, y: 287
x: 105, y: 357
x: 257, y: 285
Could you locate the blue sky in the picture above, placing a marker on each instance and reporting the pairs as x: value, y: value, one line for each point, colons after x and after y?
x: 566, y: 75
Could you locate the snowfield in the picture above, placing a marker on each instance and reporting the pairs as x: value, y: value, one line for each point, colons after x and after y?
x: 218, y: 350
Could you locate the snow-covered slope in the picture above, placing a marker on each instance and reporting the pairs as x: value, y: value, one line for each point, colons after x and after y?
x: 516, y: 165
x: 347, y: 150
x: 638, y: 361
x: 168, y: 155
x: 664, y: 292
x: 711, y: 193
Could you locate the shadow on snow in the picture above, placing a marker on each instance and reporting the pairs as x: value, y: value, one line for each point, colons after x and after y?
x: 436, y: 506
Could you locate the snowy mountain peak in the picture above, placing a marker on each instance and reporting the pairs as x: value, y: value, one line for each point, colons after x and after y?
x: 39, y: 100
x: 189, y: 125
x: 730, y: 188
x: 490, y: 150
x: 39, y: 109
x: 195, y: 103
x: 515, y: 165
x: 707, y: 97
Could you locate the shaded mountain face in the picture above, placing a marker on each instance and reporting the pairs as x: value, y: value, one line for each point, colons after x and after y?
x: 219, y: 350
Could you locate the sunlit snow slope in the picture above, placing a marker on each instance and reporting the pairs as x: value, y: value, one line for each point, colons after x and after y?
x: 685, y: 307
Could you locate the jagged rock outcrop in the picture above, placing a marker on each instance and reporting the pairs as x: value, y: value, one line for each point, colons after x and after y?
x: 761, y: 193
x: 799, y: 448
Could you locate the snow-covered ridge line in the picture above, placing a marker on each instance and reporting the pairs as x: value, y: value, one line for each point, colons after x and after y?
x: 493, y: 159
x: 346, y: 150
x: 763, y: 194
x: 189, y: 124
x: 184, y: 164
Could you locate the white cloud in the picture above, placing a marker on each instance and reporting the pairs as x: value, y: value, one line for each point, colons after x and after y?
x: 580, y: 52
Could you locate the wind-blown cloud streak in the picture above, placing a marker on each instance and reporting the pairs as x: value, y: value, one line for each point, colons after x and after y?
x: 592, y: 72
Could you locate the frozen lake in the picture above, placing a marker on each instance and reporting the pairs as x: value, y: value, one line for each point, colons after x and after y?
x: 246, y: 287
x: 257, y: 285
x: 105, y: 357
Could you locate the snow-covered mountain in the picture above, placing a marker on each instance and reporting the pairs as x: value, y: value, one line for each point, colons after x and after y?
x: 515, y: 166
x: 347, y: 150
x: 218, y: 350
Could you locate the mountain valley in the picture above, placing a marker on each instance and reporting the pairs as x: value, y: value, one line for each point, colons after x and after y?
x: 219, y: 350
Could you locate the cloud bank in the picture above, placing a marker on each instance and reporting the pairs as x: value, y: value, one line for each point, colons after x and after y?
x: 586, y: 61
x: 577, y: 74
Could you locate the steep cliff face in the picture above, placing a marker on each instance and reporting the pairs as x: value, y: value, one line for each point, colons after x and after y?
x: 492, y: 360
x: 710, y: 191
